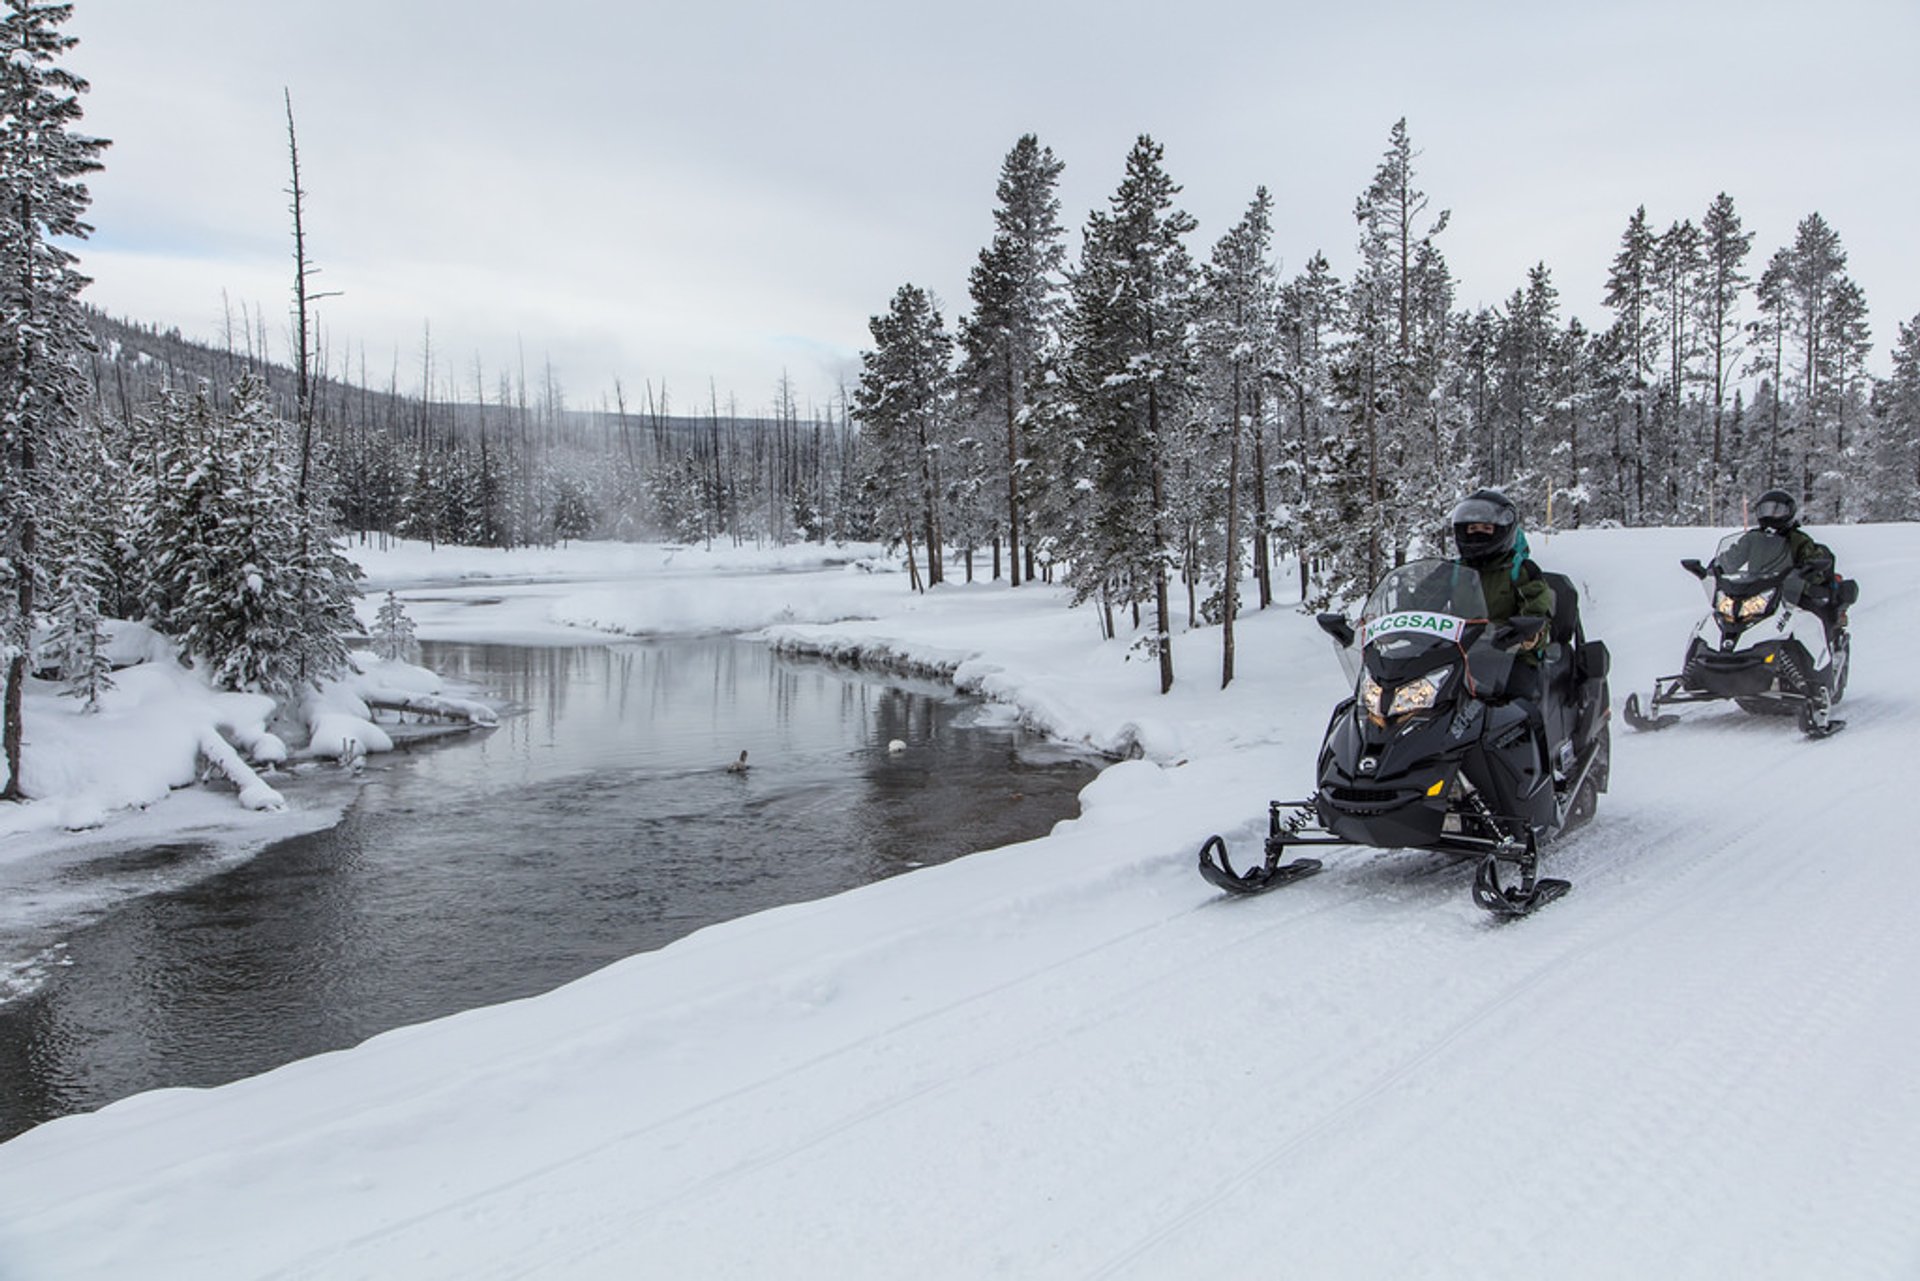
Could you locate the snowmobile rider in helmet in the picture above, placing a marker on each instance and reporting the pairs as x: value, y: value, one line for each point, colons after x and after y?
x: 1775, y: 510
x: 1487, y: 537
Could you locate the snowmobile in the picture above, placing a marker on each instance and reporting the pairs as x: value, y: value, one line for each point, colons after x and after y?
x: 1430, y: 753
x: 1763, y: 643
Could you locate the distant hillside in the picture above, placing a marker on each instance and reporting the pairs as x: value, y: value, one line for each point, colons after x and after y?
x: 136, y: 362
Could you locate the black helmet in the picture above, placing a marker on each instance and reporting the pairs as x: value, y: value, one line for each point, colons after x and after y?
x: 1491, y: 508
x: 1774, y: 510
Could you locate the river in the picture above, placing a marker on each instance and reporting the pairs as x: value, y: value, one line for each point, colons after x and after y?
x: 598, y: 820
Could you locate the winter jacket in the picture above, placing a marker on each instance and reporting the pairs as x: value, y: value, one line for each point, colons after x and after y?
x: 1806, y: 548
x: 1514, y: 586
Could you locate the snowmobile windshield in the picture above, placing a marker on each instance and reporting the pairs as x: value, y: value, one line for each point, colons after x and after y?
x: 1421, y: 604
x: 1753, y: 559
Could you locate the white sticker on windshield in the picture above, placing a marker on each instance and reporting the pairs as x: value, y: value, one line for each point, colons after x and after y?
x: 1438, y: 626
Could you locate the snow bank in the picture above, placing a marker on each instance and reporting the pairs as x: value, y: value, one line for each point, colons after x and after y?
x: 163, y: 728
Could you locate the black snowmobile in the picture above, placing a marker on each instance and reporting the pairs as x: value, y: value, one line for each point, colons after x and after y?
x: 1430, y: 754
x: 1764, y: 643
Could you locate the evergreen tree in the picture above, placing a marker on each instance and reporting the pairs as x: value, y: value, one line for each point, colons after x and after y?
x: 262, y: 599
x: 1239, y: 338
x: 1824, y: 312
x: 1523, y: 399
x: 1677, y: 266
x: 393, y: 632
x: 1630, y: 294
x: 84, y: 545
x: 43, y: 331
x: 1767, y: 464
x: 1130, y: 373
x: 904, y: 402
x: 1310, y: 311
x: 1895, y: 456
x: 1572, y: 393
x: 1392, y: 366
x: 1016, y: 292
x: 1724, y: 249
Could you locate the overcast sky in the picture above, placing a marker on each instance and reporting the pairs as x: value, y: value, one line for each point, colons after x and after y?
x: 711, y: 194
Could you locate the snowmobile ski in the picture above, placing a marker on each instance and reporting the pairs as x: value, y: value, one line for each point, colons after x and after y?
x: 1640, y: 718
x: 1816, y: 716
x: 1522, y: 899
x: 1270, y: 875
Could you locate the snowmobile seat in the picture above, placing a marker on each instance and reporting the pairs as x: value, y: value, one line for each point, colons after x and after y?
x: 1575, y: 664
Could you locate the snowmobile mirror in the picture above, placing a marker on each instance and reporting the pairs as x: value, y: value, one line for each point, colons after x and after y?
x: 1693, y: 566
x: 1849, y: 591
x: 1336, y: 626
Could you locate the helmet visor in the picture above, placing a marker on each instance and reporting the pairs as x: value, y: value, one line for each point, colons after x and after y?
x: 1771, y: 510
x: 1483, y: 511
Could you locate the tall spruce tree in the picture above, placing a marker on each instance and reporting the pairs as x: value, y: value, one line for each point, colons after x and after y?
x: 1895, y: 458
x: 1311, y: 309
x: 43, y: 330
x: 1823, y: 309
x: 904, y: 403
x: 1016, y: 288
x: 1630, y: 294
x: 1392, y: 365
x: 1130, y: 368
x: 1724, y: 248
x: 1239, y: 337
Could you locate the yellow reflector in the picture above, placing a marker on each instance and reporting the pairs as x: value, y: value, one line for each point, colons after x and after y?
x: 1767, y: 659
x: 1436, y: 788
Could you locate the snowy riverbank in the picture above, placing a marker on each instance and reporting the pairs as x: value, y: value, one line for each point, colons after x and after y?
x: 1071, y: 1058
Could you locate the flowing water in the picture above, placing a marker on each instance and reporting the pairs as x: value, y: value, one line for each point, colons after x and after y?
x: 597, y: 821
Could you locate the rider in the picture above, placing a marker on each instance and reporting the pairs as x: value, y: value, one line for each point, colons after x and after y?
x: 1487, y: 537
x: 1776, y: 511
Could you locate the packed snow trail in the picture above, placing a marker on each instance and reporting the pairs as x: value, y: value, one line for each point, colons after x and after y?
x: 1074, y: 1058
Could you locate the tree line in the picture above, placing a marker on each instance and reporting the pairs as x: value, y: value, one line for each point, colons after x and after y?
x: 1140, y: 419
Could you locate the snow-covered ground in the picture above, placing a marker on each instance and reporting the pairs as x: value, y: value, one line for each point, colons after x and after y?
x: 1073, y: 1058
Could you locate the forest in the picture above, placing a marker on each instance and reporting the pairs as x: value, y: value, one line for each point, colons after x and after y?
x: 1145, y: 417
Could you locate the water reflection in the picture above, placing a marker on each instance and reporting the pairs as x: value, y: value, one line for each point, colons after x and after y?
x: 598, y: 822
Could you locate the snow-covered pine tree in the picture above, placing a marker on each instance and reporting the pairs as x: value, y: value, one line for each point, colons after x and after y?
x: 1630, y: 290
x: 77, y: 642
x: 393, y: 633
x: 1394, y: 359
x: 1311, y: 312
x: 1129, y: 367
x: 1850, y: 341
x: 1723, y: 282
x: 43, y: 331
x: 1825, y: 328
x: 244, y: 577
x: 1678, y: 436
x: 1894, y: 458
x: 1239, y: 333
x: 1765, y: 461
x: 84, y: 545
x: 904, y: 401
x: 1572, y: 393
x: 1016, y: 292
x: 1523, y: 444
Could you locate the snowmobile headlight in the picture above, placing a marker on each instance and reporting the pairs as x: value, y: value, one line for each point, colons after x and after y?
x: 1754, y: 606
x: 1724, y: 606
x: 1419, y: 695
x: 1370, y: 698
